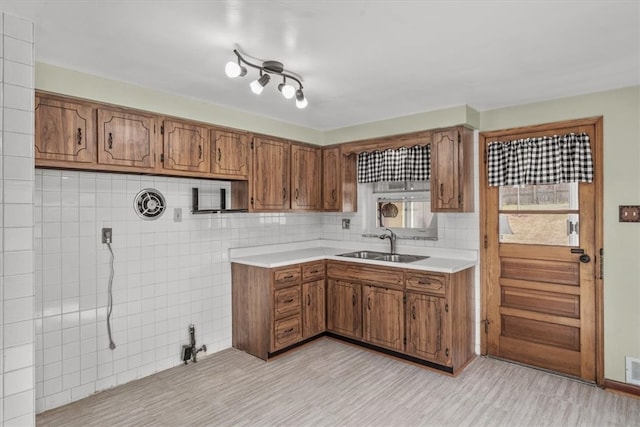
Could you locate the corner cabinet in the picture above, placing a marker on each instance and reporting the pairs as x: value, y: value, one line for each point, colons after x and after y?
x: 270, y: 180
x: 339, y: 176
x: 65, y: 133
x: 306, y: 170
x: 452, y: 170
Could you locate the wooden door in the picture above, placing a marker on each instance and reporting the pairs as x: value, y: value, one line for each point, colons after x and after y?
x: 229, y: 154
x: 383, y: 317
x: 126, y: 139
x: 306, y: 178
x: 541, y: 280
x: 331, y: 179
x: 186, y: 147
x: 344, y: 308
x: 270, y: 179
x: 313, y: 308
x: 64, y: 131
x: 426, y: 327
x: 445, y: 170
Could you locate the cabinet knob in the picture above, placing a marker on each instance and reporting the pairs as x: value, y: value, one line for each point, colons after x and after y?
x: 79, y: 136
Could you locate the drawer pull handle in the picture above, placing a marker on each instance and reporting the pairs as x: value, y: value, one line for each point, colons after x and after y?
x: 413, y: 312
x: 353, y: 300
x: 446, y: 308
x: 369, y: 303
x: 333, y: 194
x: 288, y: 331
x: 441, y: 190
x: 79, y: 136
x: 446, y: 352
x: 289, y: 301
x: 290, y: 276
x: 313, y: 272
x: 308, y: 299
x: 420, y: 282
x: 199, y: 152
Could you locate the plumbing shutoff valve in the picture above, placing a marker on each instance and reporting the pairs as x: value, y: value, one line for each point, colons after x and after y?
x: 190, y: 351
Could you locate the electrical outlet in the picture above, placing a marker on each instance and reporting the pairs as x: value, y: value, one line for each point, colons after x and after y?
x: 107, y: 235
x: 629, y: 213
x: 346, y: 223
x: 177, y: 214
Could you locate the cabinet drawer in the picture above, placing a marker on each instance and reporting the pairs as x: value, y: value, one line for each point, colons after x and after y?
x: 287, y: 301
x: 388, y: 277
x: 287, y: 331
x: 313, y: 271
x: 432, y: 283
x: 286, y: 276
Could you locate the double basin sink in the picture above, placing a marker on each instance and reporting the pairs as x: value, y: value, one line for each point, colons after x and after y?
x: 382, y: 256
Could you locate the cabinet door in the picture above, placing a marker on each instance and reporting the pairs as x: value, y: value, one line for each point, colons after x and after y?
x: 383, y: 317
x: 64, y: 131
x: 445, y: 171
x: 229, y: 154
x: 426, y: 337
x: 306, y: 178
x: 344, y: 314
x: 270, y: 175
x: 313, y: 308
x: 331, y: 179
x: 186, y: 147
x: 126, y: 139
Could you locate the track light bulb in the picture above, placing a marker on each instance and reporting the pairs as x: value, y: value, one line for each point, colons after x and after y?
x: 287, y: 90
x: 258, y: 85
x: 233, y: 70
x: 301, y: 101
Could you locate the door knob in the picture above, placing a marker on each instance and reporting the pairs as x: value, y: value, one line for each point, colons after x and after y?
x: 585, y: 258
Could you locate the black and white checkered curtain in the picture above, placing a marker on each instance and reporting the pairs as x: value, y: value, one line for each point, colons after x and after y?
x: 544, y: 160
x: 402, y: 164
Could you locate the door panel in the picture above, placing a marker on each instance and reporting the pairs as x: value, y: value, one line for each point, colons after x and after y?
x: 540, y: 295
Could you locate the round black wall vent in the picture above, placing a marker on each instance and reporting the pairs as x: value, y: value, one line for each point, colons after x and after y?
x: 149, y: 204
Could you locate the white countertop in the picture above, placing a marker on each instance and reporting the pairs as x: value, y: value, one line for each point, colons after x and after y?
x: 440, y: 260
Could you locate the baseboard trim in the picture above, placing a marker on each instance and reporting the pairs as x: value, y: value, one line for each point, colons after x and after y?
x: 622, y: 387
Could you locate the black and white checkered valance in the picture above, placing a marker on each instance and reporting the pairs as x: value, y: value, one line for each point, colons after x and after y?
x: 543, y: 160
x: 402, y: 164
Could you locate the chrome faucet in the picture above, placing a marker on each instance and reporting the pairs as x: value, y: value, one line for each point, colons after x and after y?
x: 392, y: 239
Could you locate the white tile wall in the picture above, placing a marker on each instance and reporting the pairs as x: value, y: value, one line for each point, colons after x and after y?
x: 167, y: 275
x: 16, y: 218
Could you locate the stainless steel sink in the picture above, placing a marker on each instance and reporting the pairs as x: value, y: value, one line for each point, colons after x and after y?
x: 381, y: 256
x: 364, y: 254
x: 401, y: 258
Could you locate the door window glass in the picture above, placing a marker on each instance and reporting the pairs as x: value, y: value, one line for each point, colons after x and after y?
x: 540, y: 214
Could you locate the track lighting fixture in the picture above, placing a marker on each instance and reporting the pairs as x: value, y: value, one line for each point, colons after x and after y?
x: 236, y: 69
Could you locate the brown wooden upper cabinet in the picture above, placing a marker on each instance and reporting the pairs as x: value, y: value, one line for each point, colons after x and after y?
x: 270, y: 180
x: 339, y: 187
x: 186, y: 147
x: 126, y: 138
x: 229, y: 154
x: 452, y: 170
x: 65, y: 131
x: 306, y: 177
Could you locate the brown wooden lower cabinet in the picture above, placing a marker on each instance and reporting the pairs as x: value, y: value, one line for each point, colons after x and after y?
x: 344, y: 308
x: 421, y: 316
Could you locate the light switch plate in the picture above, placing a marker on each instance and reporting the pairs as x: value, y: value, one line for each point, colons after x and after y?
x: 630, y: 213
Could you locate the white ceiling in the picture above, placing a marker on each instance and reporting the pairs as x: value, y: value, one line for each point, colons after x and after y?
x: 361, y: 60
